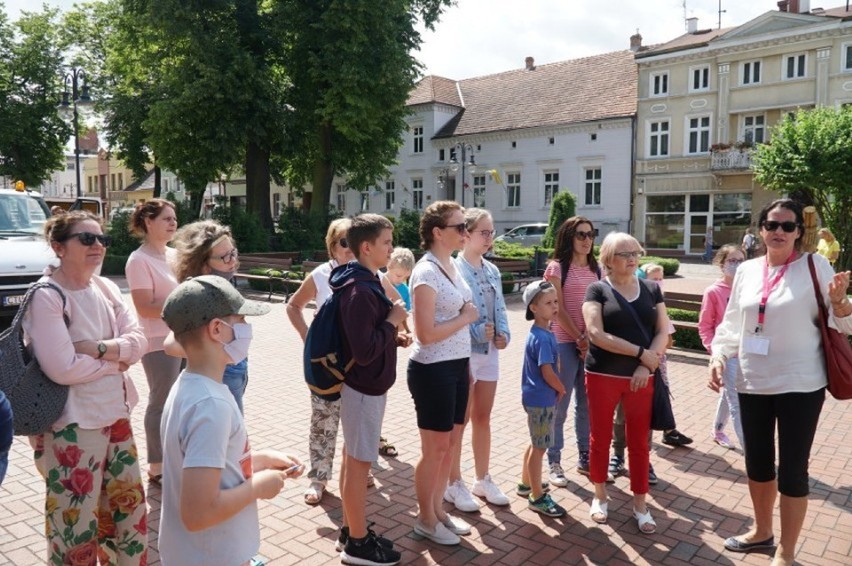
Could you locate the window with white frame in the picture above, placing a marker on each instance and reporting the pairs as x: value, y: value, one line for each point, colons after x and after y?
x: 794, y: 66
x: 479, y: 191
x: 750, y: 72
x: 592, y: 186
x: 551, y: 186
x: 390, y: 195
x: 417, y: 138
x: 659, y: 83
x: 417, y: 194
x: 699, y: 78
x: 658, y: 138
x: 513, y: 190
x: 847, y: 58
x: 754, y: 128
x: 365, y: 200
x: 698, y: 134
x: 341, y: 197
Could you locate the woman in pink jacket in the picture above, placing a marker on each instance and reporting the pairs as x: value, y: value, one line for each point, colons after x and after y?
x: 95, y: 504
x: 713, y: 305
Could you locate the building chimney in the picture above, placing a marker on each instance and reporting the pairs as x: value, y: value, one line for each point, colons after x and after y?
x: 635, y: 42
x: 530, y: 63
x: 782, y: 5
x: 691, y: 25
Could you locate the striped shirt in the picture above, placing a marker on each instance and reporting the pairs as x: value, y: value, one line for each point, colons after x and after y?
x: 573, y: 293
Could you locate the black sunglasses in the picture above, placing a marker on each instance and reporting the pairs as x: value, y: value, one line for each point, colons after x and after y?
x: 584, y: 235
x: 460, y: 228
x: 88, y: 238
x: 772, y: 225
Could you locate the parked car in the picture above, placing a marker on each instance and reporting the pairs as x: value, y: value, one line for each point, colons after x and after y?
x: 528, y: 235
x: 25, y: 253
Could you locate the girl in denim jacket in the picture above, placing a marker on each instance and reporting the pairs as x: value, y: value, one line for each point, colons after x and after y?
x: 487, y: 335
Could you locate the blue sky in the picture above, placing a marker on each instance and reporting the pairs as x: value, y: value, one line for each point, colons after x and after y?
x: 479, y: 37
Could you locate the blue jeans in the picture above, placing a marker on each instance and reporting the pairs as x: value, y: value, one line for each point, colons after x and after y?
x: 5, y: 434
x: 236, y: 378
x: 572, y: 374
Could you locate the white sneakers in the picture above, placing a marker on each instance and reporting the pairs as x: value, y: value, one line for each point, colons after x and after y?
x: 489, y: 490
x: 439, y: 534
x: 458, y: 494
x: 457, y: 525
x: 557, y: 475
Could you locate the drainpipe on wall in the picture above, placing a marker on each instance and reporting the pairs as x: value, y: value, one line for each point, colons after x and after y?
x: 632, y: 176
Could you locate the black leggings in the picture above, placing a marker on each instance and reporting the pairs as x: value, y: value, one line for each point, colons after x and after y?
x: 797, y: 415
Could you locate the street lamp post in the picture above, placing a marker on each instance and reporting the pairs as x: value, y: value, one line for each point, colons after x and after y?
x: 76, y: 77
x: 464, y: 158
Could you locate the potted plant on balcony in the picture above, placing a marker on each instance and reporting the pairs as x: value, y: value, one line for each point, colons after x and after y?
x: 744, y: 145
x: 719, y: 147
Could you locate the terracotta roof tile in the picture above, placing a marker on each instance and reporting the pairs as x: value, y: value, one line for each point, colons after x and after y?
x: 435, y: 89
x: 578, y: 90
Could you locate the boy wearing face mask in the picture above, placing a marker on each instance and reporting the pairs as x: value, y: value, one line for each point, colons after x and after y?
x: 211, y: 477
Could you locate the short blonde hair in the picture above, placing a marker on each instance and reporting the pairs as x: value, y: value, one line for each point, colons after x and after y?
x: 610, y: 245
x: 336, y: 231
x: 650, y: 268
x: 402, y: 257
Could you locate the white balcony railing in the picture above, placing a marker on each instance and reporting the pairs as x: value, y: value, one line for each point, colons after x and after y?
x: 729, y: 159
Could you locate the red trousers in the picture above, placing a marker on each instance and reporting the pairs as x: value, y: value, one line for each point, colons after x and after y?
x: 604, y: 393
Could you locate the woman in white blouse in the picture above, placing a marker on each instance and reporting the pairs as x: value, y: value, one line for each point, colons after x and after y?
x: 438, y: 370
x: 783, y: 378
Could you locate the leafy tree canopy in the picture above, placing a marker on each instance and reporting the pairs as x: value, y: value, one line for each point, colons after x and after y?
x: 811, y: 154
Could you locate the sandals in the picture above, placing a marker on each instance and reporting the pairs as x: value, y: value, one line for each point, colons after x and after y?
x: 646, y: 523
x: 371, y: 480
x: 314, y: 493
x: 386, y: 448
x: 598, y: 511
x: 155, y: 479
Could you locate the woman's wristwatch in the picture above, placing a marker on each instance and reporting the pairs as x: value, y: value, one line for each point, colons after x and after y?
x: 102, y: 349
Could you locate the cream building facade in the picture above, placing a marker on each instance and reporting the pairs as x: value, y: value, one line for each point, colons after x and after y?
x: 706, y: 98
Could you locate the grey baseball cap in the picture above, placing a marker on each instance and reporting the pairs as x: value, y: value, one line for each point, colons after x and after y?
x: 531, y: 292
x: 198, y: 300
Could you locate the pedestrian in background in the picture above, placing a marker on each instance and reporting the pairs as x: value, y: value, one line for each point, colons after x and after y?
x: 150, y: 276
x: 828, y: 246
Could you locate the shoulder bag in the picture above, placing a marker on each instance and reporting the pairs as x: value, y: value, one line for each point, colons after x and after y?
x: 37, y: 401
x: 835, y: 347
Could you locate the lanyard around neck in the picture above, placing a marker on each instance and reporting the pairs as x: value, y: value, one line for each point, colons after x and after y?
x: 768, y: 287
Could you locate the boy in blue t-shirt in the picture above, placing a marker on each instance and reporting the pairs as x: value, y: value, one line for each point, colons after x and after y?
x: 541, y: 389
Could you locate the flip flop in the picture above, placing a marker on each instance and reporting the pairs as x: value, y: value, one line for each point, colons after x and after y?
x: 646, y: 523
x: 386, y: 448
x: 598, y: 508
x: 313, y: 495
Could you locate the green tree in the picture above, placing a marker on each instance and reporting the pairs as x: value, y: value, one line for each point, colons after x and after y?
x: 811, y: 154
x: 562, y: 208
x: 351, y: 66
x: 32, y: 134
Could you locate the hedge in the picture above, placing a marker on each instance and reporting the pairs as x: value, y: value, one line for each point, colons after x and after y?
x: 686, y: 338
x: 114, y: 265
x: 277, y: 286
x: 670, y: 265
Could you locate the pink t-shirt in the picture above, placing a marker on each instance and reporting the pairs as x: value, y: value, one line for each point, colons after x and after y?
x: 100, y: 394
x: 153, y: 272
x: 713, y: 306
x: 573, y: 293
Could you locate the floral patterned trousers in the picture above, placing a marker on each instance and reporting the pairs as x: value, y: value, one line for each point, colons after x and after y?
x: 95, y: 507
x: 322, y: 439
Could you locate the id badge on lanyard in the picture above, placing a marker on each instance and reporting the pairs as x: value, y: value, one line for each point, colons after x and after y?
x: 755, y: 342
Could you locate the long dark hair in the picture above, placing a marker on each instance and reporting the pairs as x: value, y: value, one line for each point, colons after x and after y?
x: 563, y: 251
x: 792, y: 206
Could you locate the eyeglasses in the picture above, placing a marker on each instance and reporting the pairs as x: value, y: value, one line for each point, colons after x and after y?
x: 772, y: 225
x: 89, y: 239
x: 485, y: 233
x: 628, y: 255
x: 343, y: 243
x: 733, y: 261
x: 228, y: 257
x: 585, y: 235
x: 460, y: 228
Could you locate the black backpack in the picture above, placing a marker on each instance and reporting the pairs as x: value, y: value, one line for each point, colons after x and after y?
x: 325, y: 362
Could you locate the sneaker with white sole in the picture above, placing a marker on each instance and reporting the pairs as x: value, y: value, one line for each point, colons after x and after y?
x: 439, y: 533
x: 557, y: 475
x: 368, y: 552
x: 458, y: 494
x: 488, y: 489
x: 457, y: 525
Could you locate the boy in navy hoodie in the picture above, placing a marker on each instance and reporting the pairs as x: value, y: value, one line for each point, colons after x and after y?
x: 369, y: 322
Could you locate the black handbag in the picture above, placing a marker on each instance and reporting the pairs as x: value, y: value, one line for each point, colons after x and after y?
x: 37, y: 401
x: 662, y: 415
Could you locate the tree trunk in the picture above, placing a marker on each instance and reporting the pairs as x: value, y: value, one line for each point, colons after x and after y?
x: 323, y: 173
x: 257, y: 184
x: 158, y: 181
x: 195, y: 190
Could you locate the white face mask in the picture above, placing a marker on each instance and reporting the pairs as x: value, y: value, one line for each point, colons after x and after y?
x: 238, y: 348
x: 730, y: 269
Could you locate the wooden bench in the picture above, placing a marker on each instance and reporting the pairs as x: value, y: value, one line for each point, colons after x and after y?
x: 278, y: 268
x: 308, y: 266
x: 520, y: 268
x: 684, y: 301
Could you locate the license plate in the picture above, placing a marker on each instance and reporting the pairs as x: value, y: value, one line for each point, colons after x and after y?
x: 13, y: 300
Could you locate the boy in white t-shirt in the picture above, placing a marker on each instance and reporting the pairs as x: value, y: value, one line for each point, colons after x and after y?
x: 211, y: 478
